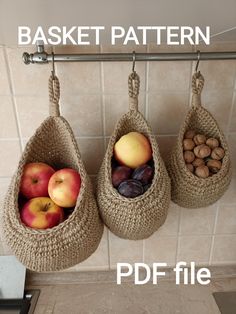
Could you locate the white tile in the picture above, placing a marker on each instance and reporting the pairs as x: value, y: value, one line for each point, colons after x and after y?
x: 84, y: 113
x: 8, y: 127
x: 160, y: 249
x: 127, y: 251
x: 197, y: 221
x: 194, y: 249
x: 4, y: 82
x: 10, y: 154
x: 32, y: 111
x: 224, y: 250
x: 171, y: 225
x: 167, y: 111
x: 27, y: 79
x: 226, y: 221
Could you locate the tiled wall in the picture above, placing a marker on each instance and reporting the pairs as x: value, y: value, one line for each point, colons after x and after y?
x: 93, y: 97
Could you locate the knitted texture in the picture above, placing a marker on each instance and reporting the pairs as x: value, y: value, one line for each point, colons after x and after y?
x: 133, y: 218
x: 187, y: 189
x: 73, y: 240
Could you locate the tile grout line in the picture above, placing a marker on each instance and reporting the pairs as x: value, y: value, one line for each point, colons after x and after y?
x: 143, y: 252
x: 190, y: 86
x: 178, y: 236
x: 16, y: 114
x: 109, y: 245
x: 103, y: 101
x: 102, y: 87
x: 231, y: 114
x: 190, y: 80
x: 146, y: 87
x: 97, y: 137
x: 213, y: 234
x: 9, y: 139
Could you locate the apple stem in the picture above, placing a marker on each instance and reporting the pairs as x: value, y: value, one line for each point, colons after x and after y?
x: 46, y: 207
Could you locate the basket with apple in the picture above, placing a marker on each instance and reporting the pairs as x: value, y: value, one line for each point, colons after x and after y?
x: 50, y: 216
x: 133, y: 190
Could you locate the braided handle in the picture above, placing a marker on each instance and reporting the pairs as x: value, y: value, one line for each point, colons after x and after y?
x: 54, y: 96
x: 197, y: 86
x: 133, y: 85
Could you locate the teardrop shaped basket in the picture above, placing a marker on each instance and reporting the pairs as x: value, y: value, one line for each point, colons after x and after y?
x: 187, y: 190
x: 76, y: 238
x: 133, y: 218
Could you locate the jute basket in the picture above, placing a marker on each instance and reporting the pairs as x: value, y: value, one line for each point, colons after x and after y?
x: 187, y: 189
x: 133, y: 218
x: 73, y: 240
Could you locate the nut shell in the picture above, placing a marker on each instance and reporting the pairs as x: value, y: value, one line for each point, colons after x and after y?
x: 212, y: 142
x: 202, y: 172
x: 217, y: 153
x: 189, y: 156
x: 189, y: 134
x: 188, y: 144
x: 190, y: 167
x: 202, y: 151
x: 199, y: 139
x: 198, y: 162
x: 214, y: 165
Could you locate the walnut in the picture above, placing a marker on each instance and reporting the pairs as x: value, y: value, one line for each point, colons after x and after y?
x: 217, y: 153
x: 189, y: 134
x: 199, y: 139
x: 198, y: 162
x: 189, y: 156
x: 214, y: 165
x: 190, y: 167
x: 188, y: 144
x: 202, y: 172
x: 212, y: 142
x: 202, y: 151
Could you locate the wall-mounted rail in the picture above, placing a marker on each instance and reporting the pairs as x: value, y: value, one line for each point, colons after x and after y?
x: 41, y: 56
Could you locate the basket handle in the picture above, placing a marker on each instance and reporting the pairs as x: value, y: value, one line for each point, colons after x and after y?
x: 54, y: 95
x: 133, y: 85
x: 197, y: 86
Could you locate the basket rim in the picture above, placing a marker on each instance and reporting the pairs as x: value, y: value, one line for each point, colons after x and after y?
x: 18, y: 174
x: 158, y: 163
x: 226, y: 158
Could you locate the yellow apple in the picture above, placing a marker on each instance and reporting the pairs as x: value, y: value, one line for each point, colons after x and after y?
x: 133, y: 150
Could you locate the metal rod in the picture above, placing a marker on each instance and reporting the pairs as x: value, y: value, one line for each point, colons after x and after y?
x: 44, y: 57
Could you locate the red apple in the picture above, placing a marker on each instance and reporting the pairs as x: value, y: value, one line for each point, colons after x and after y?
x: 64, y: 186
x: 35, y: 178
x: 41, y: 213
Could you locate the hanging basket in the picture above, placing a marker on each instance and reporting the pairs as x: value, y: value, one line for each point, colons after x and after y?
x: 187, y: 189
x: 133, y: 218
x: 76, y: 238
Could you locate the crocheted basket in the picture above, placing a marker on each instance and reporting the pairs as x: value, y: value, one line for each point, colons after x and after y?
x: 133, y: 218
x: 73, y: 240
x: 187, y: 189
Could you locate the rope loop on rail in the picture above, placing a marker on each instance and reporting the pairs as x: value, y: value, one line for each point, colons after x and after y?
x: 133, y: 87
x: 197, y: 86
x: 54, y: 95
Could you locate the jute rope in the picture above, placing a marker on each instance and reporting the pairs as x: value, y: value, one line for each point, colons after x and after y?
x: 197, y: 86
x: 133, y: 88
x: 76, y: 238
x: 139, y: 217
x: 187, y: 190
x: 54, y: 96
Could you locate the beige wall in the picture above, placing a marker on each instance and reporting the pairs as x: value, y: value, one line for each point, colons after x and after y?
x: 93, y: 97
